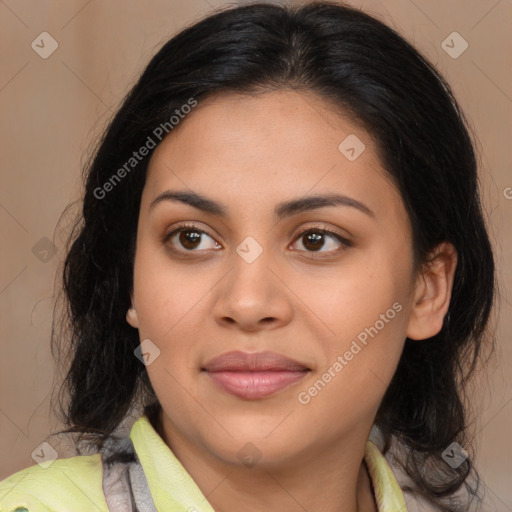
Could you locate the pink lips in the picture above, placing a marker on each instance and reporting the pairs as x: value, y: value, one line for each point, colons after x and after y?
x: 254, y: 375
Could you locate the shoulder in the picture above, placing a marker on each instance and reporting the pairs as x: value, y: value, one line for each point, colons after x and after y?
x: 66, y: 484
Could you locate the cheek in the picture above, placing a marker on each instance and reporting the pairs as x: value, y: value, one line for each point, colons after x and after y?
x: 166, y: 294
x: 364, y: 306
x: 355, y: 378
x: 352, y: 296
x: 172, y: 304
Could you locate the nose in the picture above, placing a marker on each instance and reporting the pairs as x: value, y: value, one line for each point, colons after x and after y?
x: 253, y: 296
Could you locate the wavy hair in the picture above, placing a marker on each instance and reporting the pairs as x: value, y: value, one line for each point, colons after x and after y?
x: 361, y: 66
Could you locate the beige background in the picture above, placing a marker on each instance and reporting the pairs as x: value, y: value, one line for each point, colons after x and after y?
x: 52, y: 109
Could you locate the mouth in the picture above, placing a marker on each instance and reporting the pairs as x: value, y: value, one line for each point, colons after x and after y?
x: 254, y: 375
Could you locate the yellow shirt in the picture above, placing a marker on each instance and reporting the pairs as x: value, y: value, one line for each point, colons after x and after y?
x: 75, y: 484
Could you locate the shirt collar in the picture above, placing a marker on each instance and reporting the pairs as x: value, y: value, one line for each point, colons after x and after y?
x: 172, y: 488
x: 388, y: 494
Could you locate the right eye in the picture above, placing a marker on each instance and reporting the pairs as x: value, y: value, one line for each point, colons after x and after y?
x: 189, y: 237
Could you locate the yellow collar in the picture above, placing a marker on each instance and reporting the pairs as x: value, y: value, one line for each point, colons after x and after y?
x: 172, y: 488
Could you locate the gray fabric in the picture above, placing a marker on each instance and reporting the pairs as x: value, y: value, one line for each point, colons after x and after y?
x: 415, y: 502
x: 125, y: 485
x: 140, y: 488
x: 116, y: 487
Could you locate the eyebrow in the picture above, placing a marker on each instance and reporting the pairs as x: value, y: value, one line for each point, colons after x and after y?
x: 281, y: 210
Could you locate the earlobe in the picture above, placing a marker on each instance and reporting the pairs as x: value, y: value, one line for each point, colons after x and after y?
x: 432, y: 293
x: 131, y: 317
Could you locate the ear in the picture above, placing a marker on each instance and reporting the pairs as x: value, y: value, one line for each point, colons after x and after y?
x: 131, y: 316
x: 432, y: 293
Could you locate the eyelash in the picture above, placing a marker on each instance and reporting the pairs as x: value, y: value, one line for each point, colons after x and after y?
x: 345, y: 243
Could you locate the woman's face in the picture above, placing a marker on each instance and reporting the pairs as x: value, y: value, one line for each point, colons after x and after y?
x: 263, y: 277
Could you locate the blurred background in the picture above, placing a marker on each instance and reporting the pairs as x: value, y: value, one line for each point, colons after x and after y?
x: 65, y: 67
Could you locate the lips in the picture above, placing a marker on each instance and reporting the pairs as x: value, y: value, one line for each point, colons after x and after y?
x: 253, y: 361
x: 254, y: 375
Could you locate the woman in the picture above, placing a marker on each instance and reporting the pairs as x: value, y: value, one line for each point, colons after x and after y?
x: 283, y: 273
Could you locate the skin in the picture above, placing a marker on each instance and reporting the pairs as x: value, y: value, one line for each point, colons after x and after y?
x: 250, y: 153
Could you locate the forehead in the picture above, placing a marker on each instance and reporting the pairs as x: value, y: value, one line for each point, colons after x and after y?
x: 292, y: 122
x: 269, y: 145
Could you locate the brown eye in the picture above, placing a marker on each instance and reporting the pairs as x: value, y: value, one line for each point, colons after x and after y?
x: 189, y: 239
x: 313, y: 241
x: 316, y: 239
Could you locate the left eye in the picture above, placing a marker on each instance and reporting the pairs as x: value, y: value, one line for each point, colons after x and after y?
x: 314, y: 239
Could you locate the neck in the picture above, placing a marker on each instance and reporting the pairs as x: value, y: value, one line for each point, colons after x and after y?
x: 327, y: 479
